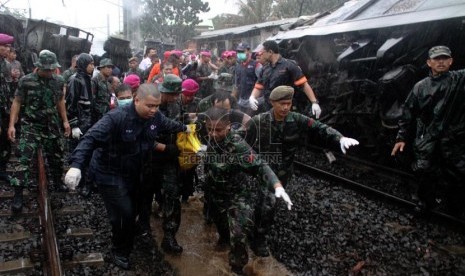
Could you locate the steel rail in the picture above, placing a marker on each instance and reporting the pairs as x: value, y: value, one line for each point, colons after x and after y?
x: 53, y: 263
x: 364, y: 188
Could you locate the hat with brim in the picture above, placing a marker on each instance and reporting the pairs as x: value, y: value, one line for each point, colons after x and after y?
x: 47, y: 61
x: 171, y: 84
x: 438, y: 51
x: 106, y: 62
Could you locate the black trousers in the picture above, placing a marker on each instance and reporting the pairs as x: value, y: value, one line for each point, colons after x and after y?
x: 119, y: 202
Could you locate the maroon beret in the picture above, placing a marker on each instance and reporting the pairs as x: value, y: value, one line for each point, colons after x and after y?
x: 6, y: 39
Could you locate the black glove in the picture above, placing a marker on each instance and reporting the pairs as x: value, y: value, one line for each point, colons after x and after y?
x: 171, y: 151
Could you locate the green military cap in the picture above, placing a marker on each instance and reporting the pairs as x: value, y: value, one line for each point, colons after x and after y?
x: 105, y: 62
x: 47, y: 60
x: 171, y: 84
x: 282, y: 92
x: 437, y: 51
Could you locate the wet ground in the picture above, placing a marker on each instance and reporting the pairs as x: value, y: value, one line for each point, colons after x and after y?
x: 201, y: 256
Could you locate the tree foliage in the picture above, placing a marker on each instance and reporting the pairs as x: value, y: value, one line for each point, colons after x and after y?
x: 171, y: 20
x: 296, y: 8
x: 257, y: 11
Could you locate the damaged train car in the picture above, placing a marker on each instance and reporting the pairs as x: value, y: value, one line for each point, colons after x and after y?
x: 32, y: 36
x: 363, y: 59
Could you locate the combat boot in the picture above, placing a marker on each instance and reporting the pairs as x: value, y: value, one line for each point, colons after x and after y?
x: 260, y: 248
x: 170, y: 245
x: 17, y: 204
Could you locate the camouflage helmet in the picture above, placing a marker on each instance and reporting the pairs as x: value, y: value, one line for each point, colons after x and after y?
x: 105, y: 62
x: 171, y: 84
x: 47, y: 60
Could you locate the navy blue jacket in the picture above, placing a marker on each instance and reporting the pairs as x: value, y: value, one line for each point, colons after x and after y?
x: 121, y: 140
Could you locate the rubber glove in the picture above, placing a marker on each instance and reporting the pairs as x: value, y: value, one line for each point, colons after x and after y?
x: 253, y: 103
x: 72, y: 178
x: 316, y: 110
x: 346, y: 143
x: 76, y: 133
x: 279, y: 192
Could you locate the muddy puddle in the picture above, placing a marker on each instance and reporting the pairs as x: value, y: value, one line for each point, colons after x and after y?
x: 201, y: 256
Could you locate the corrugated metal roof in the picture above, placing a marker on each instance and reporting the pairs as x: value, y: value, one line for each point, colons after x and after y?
x: 371, y: 14
x: 244, y: 29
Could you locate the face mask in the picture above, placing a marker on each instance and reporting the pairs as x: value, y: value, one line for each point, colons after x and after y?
x: 241, y: 57
x: 124, y: 102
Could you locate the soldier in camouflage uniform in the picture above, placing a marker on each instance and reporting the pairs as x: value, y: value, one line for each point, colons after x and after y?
x: 70, y: 71
x: 40, y: 95
x: 226, y: 73
x: 205, y: 75
x: 276, y: 135
x: 100, y: 90
x: 228, y: 161
x: 163, y: 175
x: 5, y: 103
x: 433, y: 126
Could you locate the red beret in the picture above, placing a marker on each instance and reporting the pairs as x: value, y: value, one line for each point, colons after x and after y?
x: 206, y: 53
x: 6, y: 39
x: 189, y: 87
x: 132, y: 80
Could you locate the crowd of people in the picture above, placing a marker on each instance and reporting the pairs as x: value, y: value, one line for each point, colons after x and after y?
x: 116, y: 135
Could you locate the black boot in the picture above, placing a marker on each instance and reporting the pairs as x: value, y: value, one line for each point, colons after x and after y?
x: 170, y: 245
x: 86, y: 190
x: 120, y: 260
x: 17, y: 205
x: 260, y: 247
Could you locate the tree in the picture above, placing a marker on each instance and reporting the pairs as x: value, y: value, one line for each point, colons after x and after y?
x: 255, y: 11
x: 223, y: 21
x: 296, y: 8
x: 171, y: 20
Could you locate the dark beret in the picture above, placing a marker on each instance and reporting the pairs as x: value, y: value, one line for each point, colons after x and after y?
x: 282, y: 92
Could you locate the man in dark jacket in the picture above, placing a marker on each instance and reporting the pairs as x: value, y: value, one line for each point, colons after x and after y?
x: 433, y: 125
x: 121, y: 140
x: 79, y: 104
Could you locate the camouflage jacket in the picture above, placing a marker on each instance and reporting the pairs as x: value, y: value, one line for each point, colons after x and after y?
x: 433, y: 112
x: 227, y: 164
x: 5, y: 93
x: 39, y: 97
x: 68, y: 73
x: 278, y: 141
x: 206, y: 86
x: 226, y: 75
x: 101, y: 96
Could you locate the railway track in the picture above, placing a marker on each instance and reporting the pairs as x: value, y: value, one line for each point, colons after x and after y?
x: 389, y: 178
x: 35, y: 241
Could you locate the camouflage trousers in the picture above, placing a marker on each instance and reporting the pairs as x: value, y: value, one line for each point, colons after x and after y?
x: 29, y: 142
x: 5, y: 146
x: 161, y: 179
x: 233, y: 218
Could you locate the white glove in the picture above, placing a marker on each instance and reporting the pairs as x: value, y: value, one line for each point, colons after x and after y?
x: 346, y: 143
x: 72, y: 178
x: 76, y: 133
x: 316, y: 110
x: 279, y: 192
x: 213, y: 76
x: 253, y: 103
x: 188, y: 129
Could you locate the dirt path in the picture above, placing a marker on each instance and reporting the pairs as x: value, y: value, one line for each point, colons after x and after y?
x: 201, y: 256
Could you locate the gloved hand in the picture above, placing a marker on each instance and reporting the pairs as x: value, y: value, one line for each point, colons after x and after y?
x: 72, y: 178
x: 316, y: 110
x: 171, y: 151
x: 76, y: 133
x: 346, y: 143
x: 253, y: 103
x: 279, y: 192
x: 213, y: 76
x: 188, y: 129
